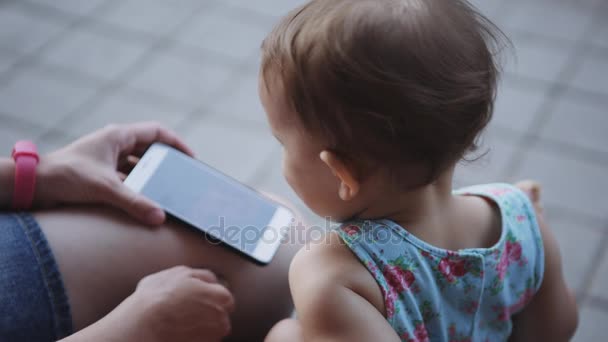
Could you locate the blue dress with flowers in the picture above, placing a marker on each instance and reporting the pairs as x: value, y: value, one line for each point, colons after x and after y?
x: 433, y: 294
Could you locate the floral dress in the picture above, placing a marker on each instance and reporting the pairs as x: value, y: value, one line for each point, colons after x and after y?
x: 432, y: 294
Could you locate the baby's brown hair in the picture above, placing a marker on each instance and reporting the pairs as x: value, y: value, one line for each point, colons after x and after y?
x: 390, y: 82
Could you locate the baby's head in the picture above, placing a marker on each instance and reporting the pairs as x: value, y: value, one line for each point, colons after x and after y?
x: 369, y: 97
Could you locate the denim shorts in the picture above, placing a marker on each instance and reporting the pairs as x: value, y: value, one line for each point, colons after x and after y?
x: 33, y: 302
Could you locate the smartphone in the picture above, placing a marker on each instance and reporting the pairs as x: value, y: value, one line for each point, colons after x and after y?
x: 211, y: 202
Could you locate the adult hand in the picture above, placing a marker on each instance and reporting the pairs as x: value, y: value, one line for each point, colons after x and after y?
x: 91, y: 169
x: 178, y: 304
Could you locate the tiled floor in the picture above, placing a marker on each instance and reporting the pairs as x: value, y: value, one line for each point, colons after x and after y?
x: 68, y: 66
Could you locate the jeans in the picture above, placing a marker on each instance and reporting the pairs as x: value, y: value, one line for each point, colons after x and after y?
x: 33, y: 302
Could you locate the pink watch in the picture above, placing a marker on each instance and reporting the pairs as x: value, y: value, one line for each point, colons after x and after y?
x: 26, y: 158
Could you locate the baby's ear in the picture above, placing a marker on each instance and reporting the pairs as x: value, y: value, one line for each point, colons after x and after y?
x: 349, y: 185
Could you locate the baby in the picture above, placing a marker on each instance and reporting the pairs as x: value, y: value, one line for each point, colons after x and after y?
x: 375, y: 102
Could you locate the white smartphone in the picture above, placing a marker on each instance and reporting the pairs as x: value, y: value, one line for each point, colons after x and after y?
x: 206, y: 199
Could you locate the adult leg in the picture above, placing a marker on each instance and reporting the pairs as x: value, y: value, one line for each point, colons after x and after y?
x: 102, y: 254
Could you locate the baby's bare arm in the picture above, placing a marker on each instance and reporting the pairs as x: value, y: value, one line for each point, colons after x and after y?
x: 552, y: 315
x: 329, y: 308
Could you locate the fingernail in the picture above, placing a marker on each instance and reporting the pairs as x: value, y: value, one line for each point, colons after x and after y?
x: 155, y: 215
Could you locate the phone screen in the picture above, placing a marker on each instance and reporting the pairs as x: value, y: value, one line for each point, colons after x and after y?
x: 207, y: 199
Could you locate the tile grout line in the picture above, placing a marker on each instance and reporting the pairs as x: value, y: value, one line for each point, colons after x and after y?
x: 598, y: 98
x: 545, y: 41
x: 502, y: 11
x: 576, y: 152
x: 258, y: 174
x: 65, y: 74
x: 194, y: 53
x: 182, y: 50
x: 92, y: 21
x: 110, y: 87
x: 530, y: 138
x: 192, y: 117
x: 559, y: 212
x: 191, y: 50
x: 29, y: 58
x: 117, y: 32
x: 11, y: 120
x: 597, y: 302
x: 591, y: 272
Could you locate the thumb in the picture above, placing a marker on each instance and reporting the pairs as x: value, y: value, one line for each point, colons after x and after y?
x: 136, y: 205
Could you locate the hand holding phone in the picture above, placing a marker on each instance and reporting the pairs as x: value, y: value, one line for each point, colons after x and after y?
x: 213, y: 203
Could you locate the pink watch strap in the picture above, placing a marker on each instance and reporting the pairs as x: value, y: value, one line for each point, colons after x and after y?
x: 26, y: 159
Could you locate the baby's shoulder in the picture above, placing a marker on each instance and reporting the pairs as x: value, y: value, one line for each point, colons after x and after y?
x: 327, y: 258
x: 331, y: 297
x: 329, y: 263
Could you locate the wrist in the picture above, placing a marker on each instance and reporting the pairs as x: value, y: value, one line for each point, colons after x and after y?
x: 131, y: 320
x: 45, y: 176
x: 7, y: 179
x: 26, y: 158
x: 120, y: 325
x: 123, y: 324
x: 48, y: 174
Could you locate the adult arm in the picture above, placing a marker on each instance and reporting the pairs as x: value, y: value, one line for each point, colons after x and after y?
x: 91, y: 170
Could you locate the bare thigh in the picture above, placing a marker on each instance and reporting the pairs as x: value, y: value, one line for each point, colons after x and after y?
x: 102, y: 255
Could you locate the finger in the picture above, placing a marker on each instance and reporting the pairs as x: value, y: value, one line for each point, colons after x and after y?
x: 139, y: 136
x: 122, y: 176
x: 204, y: 275
x: 168, y: 273
x: 126, y: 165
x: 136, y: 205
x: 219, y: 295
x: 218, y: 326
x: 179, y: 270
x: 225, y: 326
x: 533, y: 190
x: 222, y: 326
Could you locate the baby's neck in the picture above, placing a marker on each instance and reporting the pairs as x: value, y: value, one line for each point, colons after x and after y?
x: 422, y: 208
x: 433, y: 214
